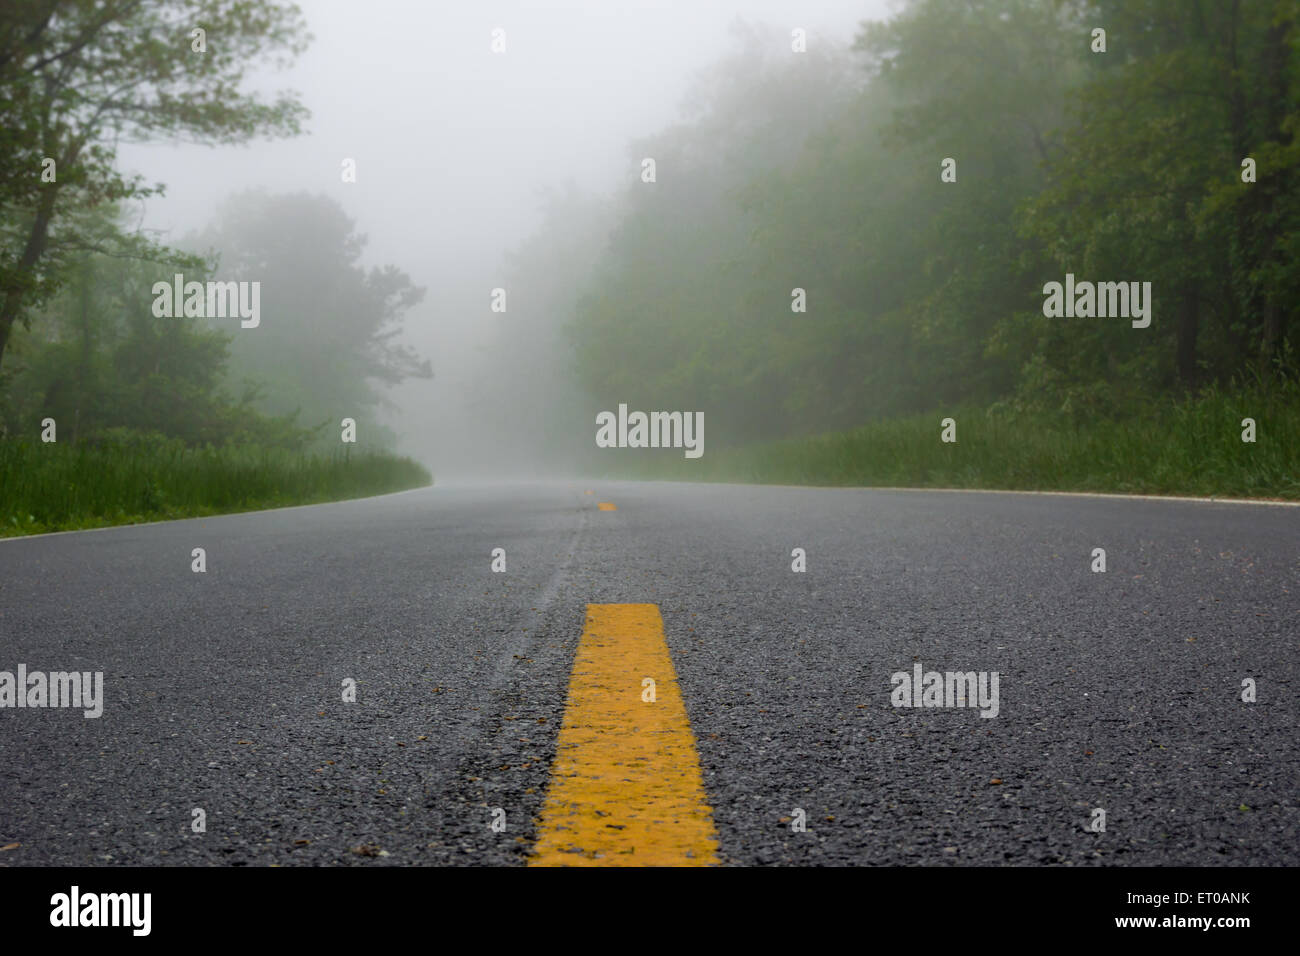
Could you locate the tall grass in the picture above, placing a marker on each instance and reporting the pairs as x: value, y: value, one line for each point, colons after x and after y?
x: 1192, y: 447
x: 51, y: 487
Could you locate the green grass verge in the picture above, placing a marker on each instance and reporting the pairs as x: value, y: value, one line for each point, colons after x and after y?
x: 1188, y: 448
x: 55, y: 487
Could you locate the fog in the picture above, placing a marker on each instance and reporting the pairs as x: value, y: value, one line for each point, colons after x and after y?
x: 520, y: 240
x: 456, y: 150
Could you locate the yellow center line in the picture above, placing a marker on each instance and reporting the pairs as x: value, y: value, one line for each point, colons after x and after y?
x: 625, y: 787
x: 607, y: 506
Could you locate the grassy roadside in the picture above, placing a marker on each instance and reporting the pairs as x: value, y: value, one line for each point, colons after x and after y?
x: 1189, y: 448
x: 56, y: 487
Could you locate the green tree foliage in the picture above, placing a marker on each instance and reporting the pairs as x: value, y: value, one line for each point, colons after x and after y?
x: 1123, y: 165
x: 103, y: 366
x: 679, y: 314
x: 1148, y: 183
x: 328, y: 331
x: 78, y: 76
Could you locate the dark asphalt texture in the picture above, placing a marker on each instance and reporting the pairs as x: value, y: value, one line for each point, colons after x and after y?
x: 223, y: 690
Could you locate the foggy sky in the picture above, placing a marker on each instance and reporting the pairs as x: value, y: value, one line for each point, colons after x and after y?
x: 454, y: 146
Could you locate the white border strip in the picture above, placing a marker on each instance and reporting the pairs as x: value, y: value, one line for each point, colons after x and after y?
x: 1103, y: 494
x: 1280, y: 502
x: 1009, y: 491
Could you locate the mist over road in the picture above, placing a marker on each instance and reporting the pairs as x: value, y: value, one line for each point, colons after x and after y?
x: 223, y: 690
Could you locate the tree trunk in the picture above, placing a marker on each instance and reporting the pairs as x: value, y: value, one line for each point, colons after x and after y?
x: 1276, y: 67
x: 32, y: 252
x: 1270, y: 338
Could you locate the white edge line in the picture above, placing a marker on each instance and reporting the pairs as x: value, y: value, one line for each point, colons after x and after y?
x: 1102, y: 494
x: 226, y: 514
x: 975, y: 491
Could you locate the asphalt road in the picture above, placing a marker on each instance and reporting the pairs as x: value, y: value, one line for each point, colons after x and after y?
x: 1118, y: 690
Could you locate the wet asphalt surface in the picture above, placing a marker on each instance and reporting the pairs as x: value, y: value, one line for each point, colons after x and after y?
x: 223, y: 691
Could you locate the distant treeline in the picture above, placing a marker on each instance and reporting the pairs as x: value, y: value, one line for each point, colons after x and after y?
x: 82, y: 340
x: 921, y: 190
x: 101, y: 358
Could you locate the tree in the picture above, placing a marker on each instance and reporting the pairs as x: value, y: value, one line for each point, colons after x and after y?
x: 101, y: 363
x: 329, y: 325
x: 76, y: 76
x: 1149, y: 185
